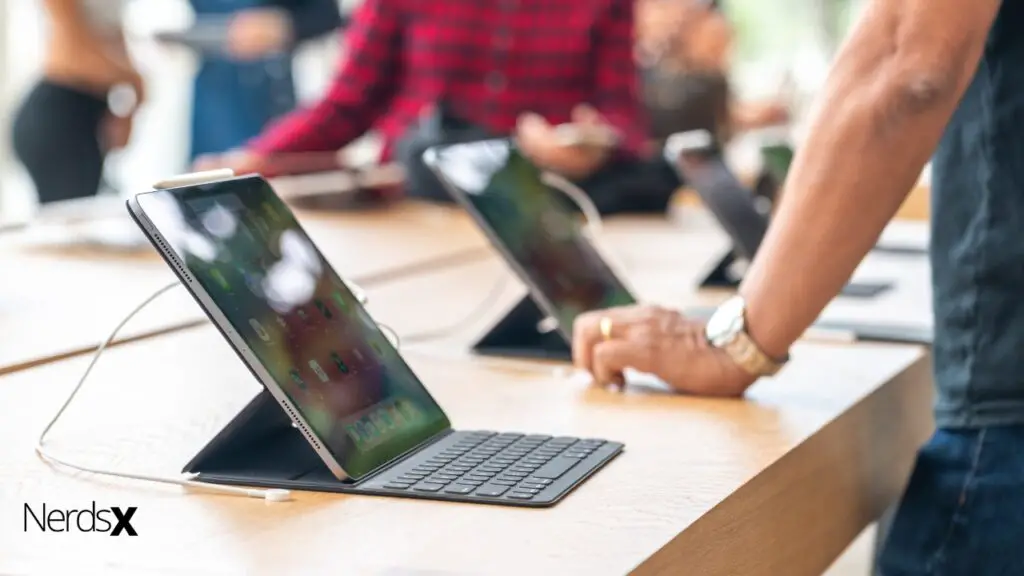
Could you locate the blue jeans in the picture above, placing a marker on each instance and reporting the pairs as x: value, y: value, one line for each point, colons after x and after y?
x: 963, y: 510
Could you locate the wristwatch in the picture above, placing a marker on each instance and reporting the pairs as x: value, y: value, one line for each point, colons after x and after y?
x: 727, y: 331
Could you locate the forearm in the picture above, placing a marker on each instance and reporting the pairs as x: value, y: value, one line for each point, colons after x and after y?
x: 881, y: 116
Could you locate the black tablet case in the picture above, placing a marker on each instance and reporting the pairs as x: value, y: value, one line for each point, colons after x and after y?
x: 518, y: 335
x: 735, y: 209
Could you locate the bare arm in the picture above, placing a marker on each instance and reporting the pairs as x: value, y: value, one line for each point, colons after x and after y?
x: 892, y: 90
x: 79, y: 55
x: 67, y: 18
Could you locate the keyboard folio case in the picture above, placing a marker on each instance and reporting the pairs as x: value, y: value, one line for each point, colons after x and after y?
x: 261, y: 448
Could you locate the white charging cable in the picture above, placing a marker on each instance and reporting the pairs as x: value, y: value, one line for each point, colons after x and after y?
x: 186, y: 481
x: 592, y: 230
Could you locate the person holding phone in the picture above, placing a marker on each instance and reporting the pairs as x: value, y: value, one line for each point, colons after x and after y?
x: 683, y: 49
x: 66, y: 126
x: 915, y: 79
x: 246, y: 82
x: 502, y: 68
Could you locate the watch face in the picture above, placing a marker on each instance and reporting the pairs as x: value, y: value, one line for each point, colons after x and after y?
x: 726, y: 322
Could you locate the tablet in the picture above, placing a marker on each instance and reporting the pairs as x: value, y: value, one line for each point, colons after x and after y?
x: 292, y: 320
x: 701, y: 165
x: 530, y: 225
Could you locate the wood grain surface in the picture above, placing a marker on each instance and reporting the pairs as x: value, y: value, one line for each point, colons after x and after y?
x: 777, y: 484
x: 58, y: 303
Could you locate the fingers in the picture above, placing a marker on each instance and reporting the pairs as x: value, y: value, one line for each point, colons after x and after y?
x: 624, y: 321
x: 585, y: 114
x: 586, y: 334
x: 532, y: 134
x: 612, y: 357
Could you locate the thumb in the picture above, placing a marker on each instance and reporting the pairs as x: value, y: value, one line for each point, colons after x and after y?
x: 585, y: 114
x: 531, y: 122
x: 531, y: 129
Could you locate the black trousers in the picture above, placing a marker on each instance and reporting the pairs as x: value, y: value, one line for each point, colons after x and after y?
x: 56, y: 138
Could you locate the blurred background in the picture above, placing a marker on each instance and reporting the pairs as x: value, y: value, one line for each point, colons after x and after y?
x: 780, y: 49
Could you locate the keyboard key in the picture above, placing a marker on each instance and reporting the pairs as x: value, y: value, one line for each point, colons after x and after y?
x: 521, y: 495
x: 516, y: 474
x: 527, y: 490
x: 397, y: 485
x: 540, y: 481
x: 468, y: 482
x: 555, y: 468
x: 532, y: 486
x: 504, y: 482
x: 491, y: 490
x: 415, y: 475
x: 460, y: 489
x: 427, y: 487
x: 576, y: 455
x: 490, y: 468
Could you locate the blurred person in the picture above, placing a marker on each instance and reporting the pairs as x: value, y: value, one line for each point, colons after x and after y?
x: 242, y: 87
x: 683, y: 48
x: 65, y: 126
x: 429, y: 72
x: 915, y: 79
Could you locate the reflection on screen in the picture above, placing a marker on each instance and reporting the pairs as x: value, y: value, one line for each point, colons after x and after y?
x: 244, y: 246
x: 532, y: 223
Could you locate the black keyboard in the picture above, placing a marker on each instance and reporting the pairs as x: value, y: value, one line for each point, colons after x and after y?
x: 488, y: 467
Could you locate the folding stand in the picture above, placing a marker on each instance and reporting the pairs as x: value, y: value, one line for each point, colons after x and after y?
x: 260, y: 447
x: 724, y: 277
x: 519, y: 334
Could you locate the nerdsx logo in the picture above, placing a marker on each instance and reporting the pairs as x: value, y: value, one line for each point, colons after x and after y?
x: 114, y: 521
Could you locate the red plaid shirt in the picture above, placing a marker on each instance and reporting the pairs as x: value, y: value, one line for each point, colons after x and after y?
x: 490, y: 60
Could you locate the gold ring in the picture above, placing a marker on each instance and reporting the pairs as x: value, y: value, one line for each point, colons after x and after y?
x: 606, y: 327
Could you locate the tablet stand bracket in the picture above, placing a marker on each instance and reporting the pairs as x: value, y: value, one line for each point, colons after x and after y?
x: 728, y: 273
x: 522, y: 333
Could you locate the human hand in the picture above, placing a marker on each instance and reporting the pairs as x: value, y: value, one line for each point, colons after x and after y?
x: 115, y: 131
x: 657, y: 341
x: 258, y: 32
x: 541, y: 142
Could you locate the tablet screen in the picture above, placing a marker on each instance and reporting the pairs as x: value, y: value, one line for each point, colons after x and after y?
x: 530, y: 223
x: 731, y: 203
x: 243, y: 245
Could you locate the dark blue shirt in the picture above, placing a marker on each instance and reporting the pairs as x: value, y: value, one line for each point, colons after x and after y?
x: 978, y: 240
